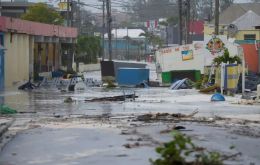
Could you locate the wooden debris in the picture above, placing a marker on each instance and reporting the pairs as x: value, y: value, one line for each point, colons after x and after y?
x: 113, y: 98
x: 164, y: 116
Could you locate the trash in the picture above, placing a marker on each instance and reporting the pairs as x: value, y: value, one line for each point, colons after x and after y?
x: 114, y: 98
x: 209, y: 89
x: 164, y: 116
x: 132, y: 145
x: 181, y: 84
x: 168, y: 130
x: 27, y: 86
x: 68, y: 100
x: 218, y: 97
x: 6, y: 110
x: 251, y: 82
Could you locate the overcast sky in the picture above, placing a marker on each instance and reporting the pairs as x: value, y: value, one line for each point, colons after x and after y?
x: 97, y: 2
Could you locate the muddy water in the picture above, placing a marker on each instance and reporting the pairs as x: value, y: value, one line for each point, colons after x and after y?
x: 51, y: 101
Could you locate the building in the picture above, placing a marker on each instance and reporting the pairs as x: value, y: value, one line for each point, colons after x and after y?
x: 242, y: 22
x: 14, y: 9
x: 196, y: 31
x: 127, y: 44
x: 29, y: 48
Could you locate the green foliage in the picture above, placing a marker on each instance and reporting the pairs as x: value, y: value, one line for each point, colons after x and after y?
x: 87, y: 49
x: 42, y: 13
x: 110, y: 84
x: 152, y: 39
x: 225, y: 58
x: 181, y: 151
x: 6, y: 110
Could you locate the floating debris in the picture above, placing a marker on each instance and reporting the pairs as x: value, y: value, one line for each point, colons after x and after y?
x: 113, y: 98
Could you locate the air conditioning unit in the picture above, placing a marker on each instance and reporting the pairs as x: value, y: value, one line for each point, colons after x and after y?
x: 258, y: 92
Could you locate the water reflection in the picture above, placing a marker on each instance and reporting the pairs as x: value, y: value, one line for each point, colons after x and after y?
x: 106, y: 109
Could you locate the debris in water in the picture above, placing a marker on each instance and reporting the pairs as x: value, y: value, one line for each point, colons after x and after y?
x: 113, y: 98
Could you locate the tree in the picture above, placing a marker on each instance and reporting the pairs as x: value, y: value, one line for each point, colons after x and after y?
x: 152, y: 39
x: 87, y: 50
x: 143, y: 10
x: 224, y: 4
x: 204, y: 9
x: 227, y: 59
x: 42, y: 13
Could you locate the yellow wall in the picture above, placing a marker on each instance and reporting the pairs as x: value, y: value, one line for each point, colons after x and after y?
x: 48, y: 57
x: 209, y: 29
x: 17, y: 58
x: 240, y: 34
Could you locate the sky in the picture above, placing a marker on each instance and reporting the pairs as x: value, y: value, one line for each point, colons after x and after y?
x: 91, y: 2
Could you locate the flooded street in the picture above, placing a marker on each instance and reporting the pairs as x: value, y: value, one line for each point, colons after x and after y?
x: 49, y: 131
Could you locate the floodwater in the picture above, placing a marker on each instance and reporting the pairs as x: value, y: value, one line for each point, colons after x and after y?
x: 97, y: 145
x: 51, y: 101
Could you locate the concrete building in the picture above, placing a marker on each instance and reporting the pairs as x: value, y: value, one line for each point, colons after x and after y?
x: 28, y: 48
x: 14, y: 9
x: 245, y: 19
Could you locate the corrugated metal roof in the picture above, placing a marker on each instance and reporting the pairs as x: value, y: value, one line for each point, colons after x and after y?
x: 237, y: 10
x: 247, y: 21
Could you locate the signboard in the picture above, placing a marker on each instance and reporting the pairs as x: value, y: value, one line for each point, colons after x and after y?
x: 215, y: 45
x: 152, y: 24
x: 63, y: 6
x: 187, y: 55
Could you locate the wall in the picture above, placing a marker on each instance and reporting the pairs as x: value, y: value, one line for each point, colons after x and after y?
x: 17, y: 58
x: 171, y: 59
x: 240, y: 34
x: 209, y: 29
x: 87, y: 67
x: 251, y: 57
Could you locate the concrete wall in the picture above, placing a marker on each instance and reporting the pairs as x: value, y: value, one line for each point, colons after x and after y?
x: 17, y: 58
x: 87, y: 67
x: 240, y: 34
x: 209, y: 29
x: 172, y: 58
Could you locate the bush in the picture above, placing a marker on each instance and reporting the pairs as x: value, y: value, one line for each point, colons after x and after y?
x: 181, y: 151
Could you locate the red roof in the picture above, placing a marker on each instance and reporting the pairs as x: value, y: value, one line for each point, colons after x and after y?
x: 197, y: 27
x: 35, y: 28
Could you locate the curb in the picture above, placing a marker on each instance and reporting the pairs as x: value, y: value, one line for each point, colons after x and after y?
x: 3, y: 129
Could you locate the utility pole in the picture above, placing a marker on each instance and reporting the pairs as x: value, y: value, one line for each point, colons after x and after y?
x: 109, y: 21
x: 68, y: 13
x: 103, y: 31
x: 0, y: 7
x: 180, y: 21
x: 211, y: 10
x: 187, y: 29
x: 216, y: 17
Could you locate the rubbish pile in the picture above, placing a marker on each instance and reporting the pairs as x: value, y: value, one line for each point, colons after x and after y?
x: 182, y: 84
x: 251, y: 82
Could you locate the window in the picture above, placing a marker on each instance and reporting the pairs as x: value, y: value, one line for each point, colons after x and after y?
x: 249, y: 37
